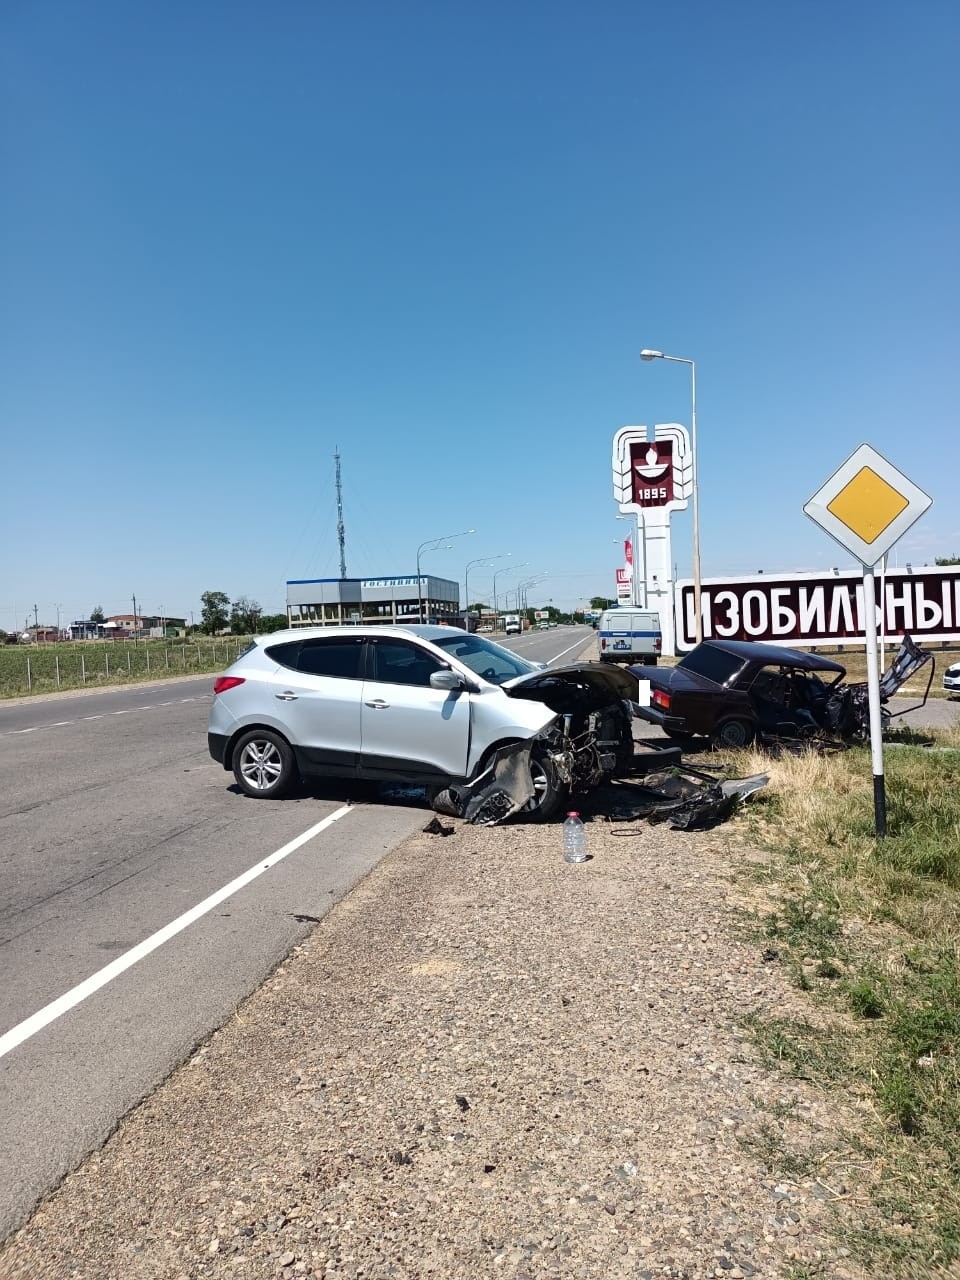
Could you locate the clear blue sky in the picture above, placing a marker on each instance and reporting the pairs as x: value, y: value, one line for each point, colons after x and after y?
x: 236, y: 235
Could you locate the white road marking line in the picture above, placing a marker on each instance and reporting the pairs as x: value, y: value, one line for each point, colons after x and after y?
x: 579, y: 645
x: 49, y: 1013
x: 150, y: 706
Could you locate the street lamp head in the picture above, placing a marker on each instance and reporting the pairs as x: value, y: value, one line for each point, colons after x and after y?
x: 647, y: 354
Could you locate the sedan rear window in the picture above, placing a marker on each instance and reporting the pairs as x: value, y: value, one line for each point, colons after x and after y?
x: 715, y: 664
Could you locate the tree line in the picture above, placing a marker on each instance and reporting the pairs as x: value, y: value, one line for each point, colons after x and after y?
x: 242, y: 616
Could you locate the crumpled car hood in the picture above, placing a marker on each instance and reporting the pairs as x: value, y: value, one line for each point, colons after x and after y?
x: 608, y: 682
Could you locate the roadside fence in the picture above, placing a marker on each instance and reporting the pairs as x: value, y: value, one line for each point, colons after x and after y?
x: 83, y: 664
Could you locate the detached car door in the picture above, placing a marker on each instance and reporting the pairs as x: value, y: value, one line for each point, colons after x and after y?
x: 410, y: 731
x: 316, y: 693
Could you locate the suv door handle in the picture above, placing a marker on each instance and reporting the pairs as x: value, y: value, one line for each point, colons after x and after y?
x: 287, y: 696
x: 377, y: 704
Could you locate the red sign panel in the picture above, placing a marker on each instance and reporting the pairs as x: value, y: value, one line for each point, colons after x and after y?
x: 651, y: 470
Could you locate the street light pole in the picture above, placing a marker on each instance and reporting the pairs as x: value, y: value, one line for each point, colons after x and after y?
x: 514, y: 568
x: 647, y: 354
x: 487, y: 560
x: 523, y: 587
x: 431, y: 545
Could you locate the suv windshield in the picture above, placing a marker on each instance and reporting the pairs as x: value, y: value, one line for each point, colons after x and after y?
x: 715, y: 664
x: 484, y: 658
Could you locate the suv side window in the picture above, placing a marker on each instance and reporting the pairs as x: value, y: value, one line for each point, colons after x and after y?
x: 395, y: 662
x: 285, y: 654
x: 331, y: 657
x: 328, y: 656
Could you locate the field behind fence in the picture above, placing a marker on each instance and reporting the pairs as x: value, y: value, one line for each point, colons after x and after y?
x: 89, y: 664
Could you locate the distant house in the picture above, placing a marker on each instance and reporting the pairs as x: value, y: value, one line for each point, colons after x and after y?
x: 86, y: 629
x: 126, y: 623
x: 121, y: 625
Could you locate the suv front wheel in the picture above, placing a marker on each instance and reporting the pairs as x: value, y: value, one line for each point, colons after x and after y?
x: 550, y: 794
x: 263, y: 764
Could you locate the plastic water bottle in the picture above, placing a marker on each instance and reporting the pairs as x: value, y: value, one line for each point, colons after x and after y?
x: 574, y: 839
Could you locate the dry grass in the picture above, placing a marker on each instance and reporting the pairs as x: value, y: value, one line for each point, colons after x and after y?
x: 871, y: 928
x: 815, y: 790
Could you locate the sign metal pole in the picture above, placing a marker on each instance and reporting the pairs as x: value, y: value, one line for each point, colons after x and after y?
x: 867, y: 505
x: 873, y: 694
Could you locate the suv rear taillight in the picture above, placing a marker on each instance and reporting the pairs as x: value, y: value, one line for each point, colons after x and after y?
x: 223, y: 683
x: 661, y: 699
x: 657, y: 644
x: 603, y: 644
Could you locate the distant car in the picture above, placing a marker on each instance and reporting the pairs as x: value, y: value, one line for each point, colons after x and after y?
x: 630, y: 635
x: 951, y: 678
x: 732, y: 690
x: 418, y: 704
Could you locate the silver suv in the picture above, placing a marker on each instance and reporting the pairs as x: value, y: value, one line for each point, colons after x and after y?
x: 428, y: 705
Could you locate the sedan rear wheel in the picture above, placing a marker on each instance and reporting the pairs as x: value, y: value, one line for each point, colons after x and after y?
x: 732, y: 734
x: 263, y: 764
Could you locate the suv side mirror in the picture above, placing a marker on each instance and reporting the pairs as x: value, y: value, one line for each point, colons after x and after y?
x: 446, y: 680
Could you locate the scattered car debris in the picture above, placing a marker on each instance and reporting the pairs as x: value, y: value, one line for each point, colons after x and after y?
x: 436, y: 828
x: 685, y: 798
x: 577, y: 764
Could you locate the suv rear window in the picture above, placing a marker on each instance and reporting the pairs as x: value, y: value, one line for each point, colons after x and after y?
x: 334, y: 657
x: 715, y: 664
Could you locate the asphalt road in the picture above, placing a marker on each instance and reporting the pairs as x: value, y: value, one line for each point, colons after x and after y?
x: 114, y: 823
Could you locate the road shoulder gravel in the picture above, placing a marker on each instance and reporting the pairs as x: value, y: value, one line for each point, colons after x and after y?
x: 484, y: 1062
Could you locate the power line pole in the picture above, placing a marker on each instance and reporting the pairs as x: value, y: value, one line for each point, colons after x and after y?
x: 134, y: 617
x: 340, y: 538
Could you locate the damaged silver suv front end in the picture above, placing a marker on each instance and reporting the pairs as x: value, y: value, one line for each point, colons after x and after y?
x: 589, y: 741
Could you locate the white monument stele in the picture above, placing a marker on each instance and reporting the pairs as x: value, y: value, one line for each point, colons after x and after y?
x: 653, y: 477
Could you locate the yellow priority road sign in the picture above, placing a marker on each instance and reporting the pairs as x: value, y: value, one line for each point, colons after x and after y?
x: 867, y: 505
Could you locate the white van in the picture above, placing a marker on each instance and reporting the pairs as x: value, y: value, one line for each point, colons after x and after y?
x: 512, y: 624
x: 630, y: 635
